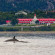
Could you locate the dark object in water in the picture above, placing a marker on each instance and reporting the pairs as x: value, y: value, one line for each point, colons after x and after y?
x: 15, y: 40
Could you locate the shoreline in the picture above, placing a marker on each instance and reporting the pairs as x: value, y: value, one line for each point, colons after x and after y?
x: 30, y: 32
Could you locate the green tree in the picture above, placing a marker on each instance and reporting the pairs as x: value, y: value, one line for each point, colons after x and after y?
x: 14, y: 21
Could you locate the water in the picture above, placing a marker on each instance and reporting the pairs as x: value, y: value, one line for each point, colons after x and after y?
x: 28, y: 35
x: 38, y: 44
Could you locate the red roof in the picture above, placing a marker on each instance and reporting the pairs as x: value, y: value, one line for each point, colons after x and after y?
x: 42, y: 20
x: 8, y: 21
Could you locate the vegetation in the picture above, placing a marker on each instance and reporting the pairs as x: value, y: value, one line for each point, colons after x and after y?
x: 25, y: 25
x: 43, y: 28
x: 14, y: 21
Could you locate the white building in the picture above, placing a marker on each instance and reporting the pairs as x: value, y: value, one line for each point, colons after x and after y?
x: 21, y: 12
x: 34, y: 19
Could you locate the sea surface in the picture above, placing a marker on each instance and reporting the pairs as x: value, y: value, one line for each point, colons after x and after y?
x: 28, y: 35
x: 37, y: 44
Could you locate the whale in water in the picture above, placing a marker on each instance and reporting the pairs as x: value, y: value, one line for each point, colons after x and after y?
x: 15, y: 40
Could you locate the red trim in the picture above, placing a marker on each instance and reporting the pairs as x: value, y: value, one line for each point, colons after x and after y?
x: 42, y: 20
